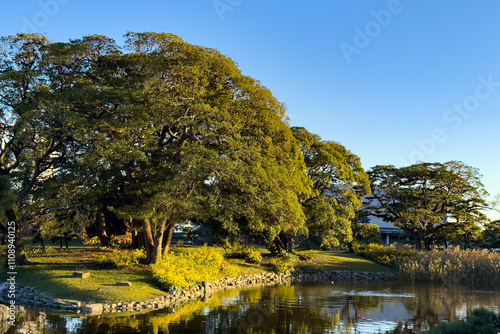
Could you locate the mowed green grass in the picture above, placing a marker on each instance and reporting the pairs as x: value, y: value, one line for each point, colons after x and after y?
x: 52, y: 272
x: 338, y: 260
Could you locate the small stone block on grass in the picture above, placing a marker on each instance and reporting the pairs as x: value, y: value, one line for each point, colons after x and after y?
x: 123, y: 283
x: 81, y: 274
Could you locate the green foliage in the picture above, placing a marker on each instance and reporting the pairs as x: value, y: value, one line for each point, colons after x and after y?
x: 238, y: 251
x: 366, y: 233
x: 310, y: 243
x: 482, y: 321
x: 339, y: 182
x: 391, y: 256
x: 491, y: 235
x: 122, y: 241
x: 455, y: 266
x: 120, y: 258
x: 429, y: 200
x: 253, y: 255
x: 163, y: 132
x: 185, y: 268
x: 284, y: 264
x: 7, y: 196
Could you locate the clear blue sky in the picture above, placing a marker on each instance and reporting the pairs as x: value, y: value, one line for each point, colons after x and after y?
x: 393, y: 81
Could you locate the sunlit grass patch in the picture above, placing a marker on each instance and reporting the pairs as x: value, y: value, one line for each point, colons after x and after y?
x: 338, y: 260
x: 53, y: 273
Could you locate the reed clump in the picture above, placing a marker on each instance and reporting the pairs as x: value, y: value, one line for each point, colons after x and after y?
x: 453, y: 266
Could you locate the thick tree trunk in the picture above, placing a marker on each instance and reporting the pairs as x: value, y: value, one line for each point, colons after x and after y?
x: 137, y: 234
x: 279, y: 244
x: 282, y: 241
x: 158, y: 241
x: 100, y: 226
x: 148, y: 239
x: 418, y: 243
x: 466, y: 242
x: 430, y: 243
x: 167, y: 238
x: 3, y: 234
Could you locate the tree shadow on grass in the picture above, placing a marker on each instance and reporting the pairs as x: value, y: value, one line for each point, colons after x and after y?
x: 62, y: 276
x: 57, y: 265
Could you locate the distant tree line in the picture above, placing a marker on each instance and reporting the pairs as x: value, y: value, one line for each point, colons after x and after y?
x: 432, y: 202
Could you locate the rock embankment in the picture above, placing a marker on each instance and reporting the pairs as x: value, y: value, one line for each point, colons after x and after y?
x: 30, y: 297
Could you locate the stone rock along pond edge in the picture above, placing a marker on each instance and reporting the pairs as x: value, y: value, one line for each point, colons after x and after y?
x: 32, y: 298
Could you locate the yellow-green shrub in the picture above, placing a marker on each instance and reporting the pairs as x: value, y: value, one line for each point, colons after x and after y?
x: 238, y: 251
x: 454, y: 265
x: 186, y: 268
x: 120, y: 258
x: 389, y: 256
x: 284, y: 264
x: 253, y: 255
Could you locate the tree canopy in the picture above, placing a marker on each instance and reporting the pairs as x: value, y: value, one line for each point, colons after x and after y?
x: 160, y: 131
x: 429, y: 200
x: 339, y: 183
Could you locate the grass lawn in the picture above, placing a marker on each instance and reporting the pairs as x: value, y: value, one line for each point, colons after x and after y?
x: 52, y: 271
x: 339, y: 260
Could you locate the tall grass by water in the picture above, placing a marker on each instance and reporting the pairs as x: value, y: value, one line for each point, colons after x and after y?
x: 454, y: 266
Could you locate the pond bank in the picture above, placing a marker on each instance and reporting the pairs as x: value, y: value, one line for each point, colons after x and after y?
x: 31, y: 298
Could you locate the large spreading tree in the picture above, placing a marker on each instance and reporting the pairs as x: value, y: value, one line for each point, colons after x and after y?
x: 58, y: 103
x: 429, y: 200
x: 339, y: 184
x: 32, y: 133
x: 215, y: 144
x: 157, y: 133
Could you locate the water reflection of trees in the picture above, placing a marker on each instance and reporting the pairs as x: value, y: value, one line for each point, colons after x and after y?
x: 289, y: 309
x: 292, y: 309
x: 282, y: 309
x: 435, y: 303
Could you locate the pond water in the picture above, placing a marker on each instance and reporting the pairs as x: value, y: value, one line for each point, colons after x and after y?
x: 289, y: 308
